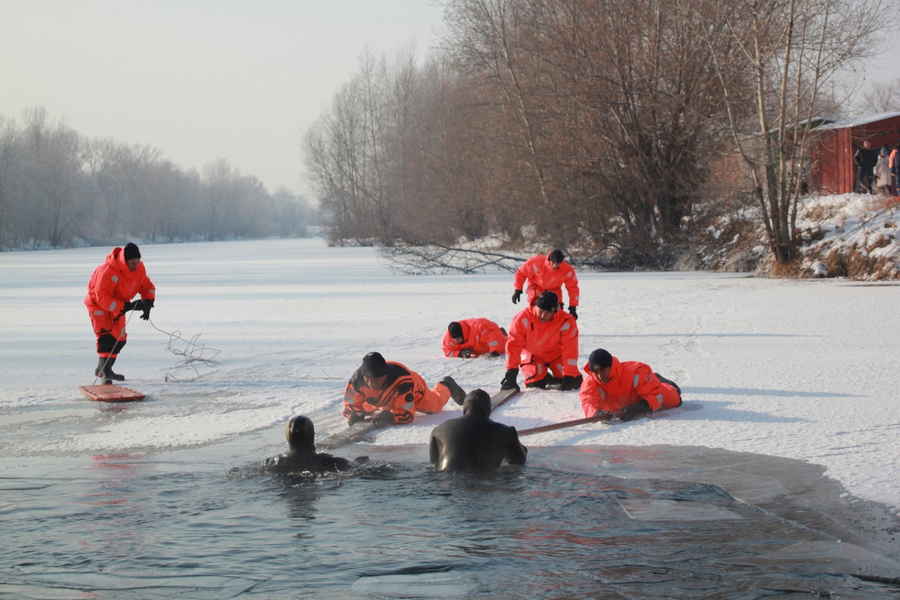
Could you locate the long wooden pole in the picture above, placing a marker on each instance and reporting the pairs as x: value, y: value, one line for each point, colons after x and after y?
x: 564, y: 424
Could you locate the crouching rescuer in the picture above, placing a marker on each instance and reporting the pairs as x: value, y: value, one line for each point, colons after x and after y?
x: 387, y: 392
x: 111, y: 287
x: 544, y: 341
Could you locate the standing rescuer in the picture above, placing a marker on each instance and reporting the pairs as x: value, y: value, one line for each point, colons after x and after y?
x: 547, y: 274
x: 110, y: 290
x: 624, y: 389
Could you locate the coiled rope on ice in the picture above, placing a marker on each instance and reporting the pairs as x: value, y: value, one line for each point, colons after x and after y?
x: 193, y: 356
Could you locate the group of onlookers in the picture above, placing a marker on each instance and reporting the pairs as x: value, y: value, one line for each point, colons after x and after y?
x: 877, y: 169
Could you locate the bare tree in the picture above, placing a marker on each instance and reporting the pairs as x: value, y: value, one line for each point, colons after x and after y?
x: 416, y: 258
x: 793, y: 49
x: 8, y: 137
x: 490, y: 40
x: 589, y: 124
x: 882, y: 98
x: 58, y: 188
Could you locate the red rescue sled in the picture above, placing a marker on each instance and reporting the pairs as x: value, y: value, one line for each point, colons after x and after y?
x: 111, y: 393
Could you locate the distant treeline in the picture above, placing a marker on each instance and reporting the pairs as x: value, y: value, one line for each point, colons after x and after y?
x: 59, y: 188
x: 585, y: 124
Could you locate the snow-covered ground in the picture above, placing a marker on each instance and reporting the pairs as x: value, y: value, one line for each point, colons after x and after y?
x: 844, y: 235
x: 851, y: 232
x: 805, y: 369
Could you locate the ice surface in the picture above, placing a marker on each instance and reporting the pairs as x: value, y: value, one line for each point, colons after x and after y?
x: 802, y: 369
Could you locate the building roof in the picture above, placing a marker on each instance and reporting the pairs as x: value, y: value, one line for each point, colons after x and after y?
x: 857, y: 121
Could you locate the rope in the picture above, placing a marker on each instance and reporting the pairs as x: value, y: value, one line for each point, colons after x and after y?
x: 192, y: 353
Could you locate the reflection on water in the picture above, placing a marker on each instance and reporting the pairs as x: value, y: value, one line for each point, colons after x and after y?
x: 586, y: 522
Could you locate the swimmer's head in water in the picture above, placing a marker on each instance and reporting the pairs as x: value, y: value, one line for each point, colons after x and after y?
x: 477, y: 403
x: 300, y: 433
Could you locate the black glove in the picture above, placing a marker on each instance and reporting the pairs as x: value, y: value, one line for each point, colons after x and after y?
x: 509, y: 380
x: 573, y: 312
x: 633, y: 411
x: 569, y: 383
x: 146, y: 306
x: 466, y: 353
x: 603, y: 415
x: 384, y: 418
x: 355, y: 417
x: 517, y: 295
x: 136, y: 305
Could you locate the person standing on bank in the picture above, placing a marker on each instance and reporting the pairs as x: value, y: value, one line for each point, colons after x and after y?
x: 865, y: 158
x: 544, y: 341
x: 547, y: 274
x: 883, y: 176
x: 624, y: 390
x: 474, y: 442
x: 111, y: 287
x: 387, y: 393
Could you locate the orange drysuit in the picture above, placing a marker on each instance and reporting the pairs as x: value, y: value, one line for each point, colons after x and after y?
x: 538, y: 345
x: 404, y: 393
x: 479, y: 335
x: 111, y: 285
x: 628, y: 383
x: 541, y: 277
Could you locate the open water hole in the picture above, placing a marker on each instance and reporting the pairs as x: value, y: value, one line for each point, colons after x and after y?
x: 588, y: 522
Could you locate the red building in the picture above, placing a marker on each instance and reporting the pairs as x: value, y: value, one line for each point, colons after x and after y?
x: 833, y: 170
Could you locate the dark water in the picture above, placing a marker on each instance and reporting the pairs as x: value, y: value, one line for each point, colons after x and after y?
x: 601, y: 522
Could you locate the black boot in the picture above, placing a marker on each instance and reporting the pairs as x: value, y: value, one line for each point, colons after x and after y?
x: 100, y: 371
x: 109, y: 371
x: 549, y: 381
x: 456, y: 392
x: 669, y: 381
x: 104, y: 370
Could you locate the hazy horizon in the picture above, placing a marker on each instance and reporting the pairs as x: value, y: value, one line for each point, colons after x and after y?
x: 201, y: 80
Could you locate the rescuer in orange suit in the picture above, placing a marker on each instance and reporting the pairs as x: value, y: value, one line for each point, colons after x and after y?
x: 544, y: 341
x: 625, y: 390
x: 110, y: 290
x: 388, y: 392
x: 547, y: 273
x: 469, y: 338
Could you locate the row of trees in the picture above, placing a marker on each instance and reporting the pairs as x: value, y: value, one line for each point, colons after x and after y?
x: 58, y: 188
x: 592, y: 125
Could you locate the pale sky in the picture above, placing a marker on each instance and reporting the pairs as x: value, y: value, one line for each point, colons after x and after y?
x: 199, y: 79
x: 204, y: 79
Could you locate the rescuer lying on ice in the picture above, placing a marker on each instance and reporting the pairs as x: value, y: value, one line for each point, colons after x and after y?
x: 469, y: 338
x: 624, y: 390
x: 110, y: 290
x: 544, y: 341
x: 388, y: 392
x: 547, y: 274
